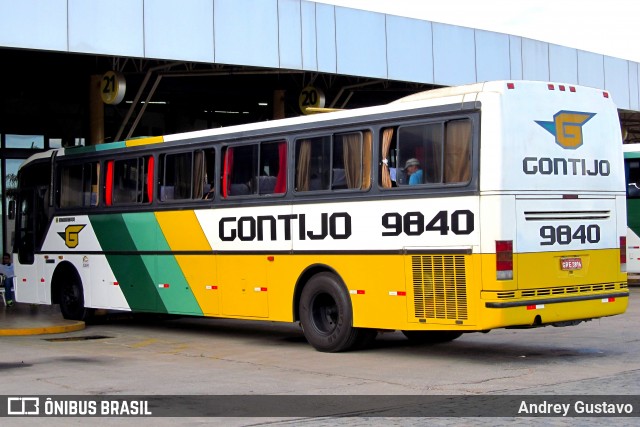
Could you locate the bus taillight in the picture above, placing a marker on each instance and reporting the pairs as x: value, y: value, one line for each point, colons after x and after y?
x: 623, y: 253
x: 504, y: 259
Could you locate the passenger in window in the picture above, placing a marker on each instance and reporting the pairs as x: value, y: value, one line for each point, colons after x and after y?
x: 210, y: 193
x: 413, y: 171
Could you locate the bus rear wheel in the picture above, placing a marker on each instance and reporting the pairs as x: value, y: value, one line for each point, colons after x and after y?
x: 326, y: 316
x: 431, y: 337
x: 72, y: 301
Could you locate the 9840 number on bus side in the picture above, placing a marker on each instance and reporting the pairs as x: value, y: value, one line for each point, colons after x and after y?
x: 459, y: 222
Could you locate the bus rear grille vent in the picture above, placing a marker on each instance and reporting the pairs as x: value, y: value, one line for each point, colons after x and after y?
x: 565, y: 215
x: 439, y: 287
x: 503, y: 295
x: 566, y: 290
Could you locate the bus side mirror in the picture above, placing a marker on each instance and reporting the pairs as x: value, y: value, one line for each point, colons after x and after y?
x: 12, y: 209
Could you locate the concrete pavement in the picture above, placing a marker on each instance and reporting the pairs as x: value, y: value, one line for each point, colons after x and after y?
x: 33, y: 319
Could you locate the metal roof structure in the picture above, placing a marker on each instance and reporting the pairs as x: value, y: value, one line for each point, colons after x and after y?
x: 278, y: 44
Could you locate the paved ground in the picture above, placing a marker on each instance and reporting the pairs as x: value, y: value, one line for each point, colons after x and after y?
x: 191, y: 356
x: 27, y: 319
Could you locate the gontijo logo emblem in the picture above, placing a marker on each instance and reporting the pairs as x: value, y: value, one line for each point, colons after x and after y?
x: 567, y: 127
x: 71, y: 235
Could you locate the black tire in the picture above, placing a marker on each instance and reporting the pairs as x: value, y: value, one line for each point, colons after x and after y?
x: 327, y: 317
x: 431, y: 337
x: 72, y: 301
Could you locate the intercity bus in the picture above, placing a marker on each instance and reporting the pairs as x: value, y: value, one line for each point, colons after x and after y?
x: 461, y: 209
x: 632, y: 175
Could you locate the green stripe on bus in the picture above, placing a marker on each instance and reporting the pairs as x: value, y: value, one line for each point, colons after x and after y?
x: 130, y: 270
x: 94, y: 148
x: 172, y: 286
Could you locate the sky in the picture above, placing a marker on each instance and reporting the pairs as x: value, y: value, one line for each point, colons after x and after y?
x: 610, y: 27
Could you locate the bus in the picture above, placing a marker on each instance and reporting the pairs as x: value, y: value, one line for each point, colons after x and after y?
x: 461, y: 209
x: 632, y: 175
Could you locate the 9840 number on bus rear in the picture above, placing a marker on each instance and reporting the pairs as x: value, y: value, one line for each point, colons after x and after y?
x: 566, y: 235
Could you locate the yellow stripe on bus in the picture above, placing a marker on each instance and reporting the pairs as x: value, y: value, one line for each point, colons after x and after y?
x: 183, y: 232
x: 144, y: 141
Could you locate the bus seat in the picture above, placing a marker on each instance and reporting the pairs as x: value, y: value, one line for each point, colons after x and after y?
x: 339, y: 180
x: 315, y: 184
x: 267, y: 184
x: 167, y: 192
x: 239, y: 190
x: 90, y: 199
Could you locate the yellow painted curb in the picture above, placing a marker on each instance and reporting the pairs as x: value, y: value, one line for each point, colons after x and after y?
x: 77, y: 326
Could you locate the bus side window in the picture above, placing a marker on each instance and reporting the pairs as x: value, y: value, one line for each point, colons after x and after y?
x: 175, y: 176
x: 272, y: 177
x: 79, y: 185
x: 240, y: 170
x: 313, y: 163
x: 432, y: 153
x: 341, y: 161
x: 131, y: 180
x: 633, y: 178
x: 419, y: 154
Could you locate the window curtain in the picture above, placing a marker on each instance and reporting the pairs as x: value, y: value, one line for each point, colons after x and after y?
x: 458, y: 151
x: 352, y: 155
x: 199, y: 168
x: 366, y: 160
x: 281, y: 180
x: 150, y: 167
x: 95, y: 189
x: 228, y: 169
x: 387, y: 136
x: 68, y: 188
x: 303, y: 164
x: 182, y: 180
x: 433, y: 133
x: 108, y: 193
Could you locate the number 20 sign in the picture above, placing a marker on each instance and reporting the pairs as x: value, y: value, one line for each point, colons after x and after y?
x: 310, y: 97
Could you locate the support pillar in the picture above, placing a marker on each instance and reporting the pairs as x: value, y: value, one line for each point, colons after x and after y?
x: 96, y: 112
x: 278, y: 104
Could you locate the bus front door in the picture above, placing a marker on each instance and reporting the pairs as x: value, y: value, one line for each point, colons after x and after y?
x: 26, y: 281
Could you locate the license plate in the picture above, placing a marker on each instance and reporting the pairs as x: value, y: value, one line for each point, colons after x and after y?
x: 571, y: 264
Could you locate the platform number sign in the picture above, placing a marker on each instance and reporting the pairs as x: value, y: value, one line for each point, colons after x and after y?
x: 112, y: 87
x: 310, y: 97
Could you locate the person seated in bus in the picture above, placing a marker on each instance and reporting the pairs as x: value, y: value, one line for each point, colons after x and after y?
x: 413, y: 171
x: 210, y: 193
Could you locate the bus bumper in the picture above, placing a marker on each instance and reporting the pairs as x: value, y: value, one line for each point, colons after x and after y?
x: 558, y: 311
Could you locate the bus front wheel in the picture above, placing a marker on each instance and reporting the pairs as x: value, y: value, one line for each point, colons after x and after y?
x: 327, y: 317
x: 72, y: 301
